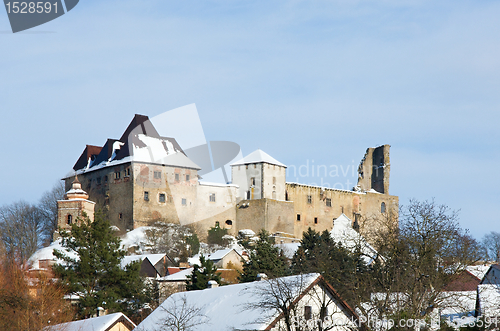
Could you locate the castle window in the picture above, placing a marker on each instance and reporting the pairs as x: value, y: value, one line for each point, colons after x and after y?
x: 212, y: 197
x: 309, y: 199
x: 274, y: 180
x: 274, y: 195
x: 184, y: 202
x: 146, y: 196
x: 298, y: 217
x: 120, y: 216
x: 70, y: 219
x: 161, y: 197
x: 176, y: 177
x: 187, y: 178
x: 315, y: 220
x: 252, y: 181
x: 127, y: 172
x: 248, y: 195
x: 229, y: 224
x: 105, y: 179
x: 157, y: 175
x: 117, y: 175
x: 328, y: 202
x: 382, y: 207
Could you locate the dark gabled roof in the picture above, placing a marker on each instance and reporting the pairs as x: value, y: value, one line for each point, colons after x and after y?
x: 90, y: 152
x: 140, y: 124
x: 106, y: 151
x: 464, y: 282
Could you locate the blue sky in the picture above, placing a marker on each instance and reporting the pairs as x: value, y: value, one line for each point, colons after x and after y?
x: 302, y: 80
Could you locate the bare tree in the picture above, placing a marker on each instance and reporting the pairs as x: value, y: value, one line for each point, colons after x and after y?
x: 48, y: 209
x: 180, y: 315
x: 277, y: 295
x: 491, y: 243
x: 21, y: 229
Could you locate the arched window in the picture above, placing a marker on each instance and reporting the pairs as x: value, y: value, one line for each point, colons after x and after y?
x: 229, y: 224
x: 382, y: 207
x: 70, y: 219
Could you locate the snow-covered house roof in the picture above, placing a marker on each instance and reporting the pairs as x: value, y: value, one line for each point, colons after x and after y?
x: 233, y: 307
x: 478, y: 270
x: 488, y: 296
x: 343, y: 233
x: 139, y: 143
x: 215, y: 256
x: 46, y: 253
x: 180, y: 276
x: 258, y: 156
x: 101, y: 323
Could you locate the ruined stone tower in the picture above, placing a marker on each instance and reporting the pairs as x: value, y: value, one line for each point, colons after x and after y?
x: 374, y: 170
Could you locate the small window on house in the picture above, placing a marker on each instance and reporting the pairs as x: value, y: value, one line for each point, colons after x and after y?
x: 157, y: 174
x: 176, y: 177
x: 298, y: 217
x: 187, y: 178
x: 252, y: 181
x: 120, y: 216
x: 315, y: 220
x: 146, y: 196
x: 184, y: 202
x: 382, y: 207
x: 307, y: 312
x: 328, y: 202
x: 105, y: 179
x: 161, y: 197
x: 309, y: 199
x: 212, y: 197
x: 70, y: 219
x: 117, y: 175
x: 274, y: 180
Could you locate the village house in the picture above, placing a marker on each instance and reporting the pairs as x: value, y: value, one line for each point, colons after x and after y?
x: 111, y: 322
x: 251, y: 306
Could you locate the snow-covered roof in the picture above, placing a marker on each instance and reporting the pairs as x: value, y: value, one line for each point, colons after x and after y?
x: 343, y: 233
x: 478, y: 270
x: 101, y: 323
x: 457, y: 303
x: 46, y: 253
x: 215, y: 256
x: 226, y: 307
x: 178, y: 276
x: 258, y: 156
x: 489, y: 299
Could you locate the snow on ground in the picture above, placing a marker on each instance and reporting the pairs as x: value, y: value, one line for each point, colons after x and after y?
x: 289, y: 249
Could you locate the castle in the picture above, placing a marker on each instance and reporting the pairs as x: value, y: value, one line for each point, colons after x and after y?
x: 144, y: 177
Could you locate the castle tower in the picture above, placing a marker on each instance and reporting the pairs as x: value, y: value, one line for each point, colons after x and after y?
x: 374, y: 170
x: 73, y: 206
x: 259, y: 176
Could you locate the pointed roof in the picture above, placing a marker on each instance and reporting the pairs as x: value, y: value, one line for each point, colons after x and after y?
x: 258, y: 156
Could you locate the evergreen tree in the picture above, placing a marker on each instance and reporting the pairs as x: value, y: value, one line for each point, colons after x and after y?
x: 341, y: 268
x: 95, y: 274
x: 202, y: 273
x: 264, y: 258
x: 215, y: 235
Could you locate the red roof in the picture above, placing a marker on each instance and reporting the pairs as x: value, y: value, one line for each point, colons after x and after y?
x: 464, y: 282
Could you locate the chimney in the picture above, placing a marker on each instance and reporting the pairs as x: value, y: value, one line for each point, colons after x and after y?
x: 261, y: 277
x: 212, y: 284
